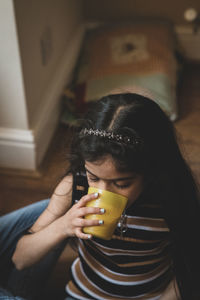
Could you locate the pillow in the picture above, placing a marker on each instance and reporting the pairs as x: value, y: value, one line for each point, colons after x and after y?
x: 135, y: 57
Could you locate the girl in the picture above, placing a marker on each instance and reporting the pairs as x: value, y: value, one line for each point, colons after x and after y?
x: 126, y: 145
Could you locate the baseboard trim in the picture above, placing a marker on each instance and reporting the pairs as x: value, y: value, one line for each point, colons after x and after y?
x: 17, y: 148
x: 25, y: 149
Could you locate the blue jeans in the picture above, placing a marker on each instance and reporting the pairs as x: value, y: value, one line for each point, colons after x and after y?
x: 28, y: 283
x: 5, y: 295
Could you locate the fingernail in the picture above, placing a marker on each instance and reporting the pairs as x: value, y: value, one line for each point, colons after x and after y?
x: 96, y: 194
x: 89, y: 236
x: 100, y: 222
x: 102, y: 210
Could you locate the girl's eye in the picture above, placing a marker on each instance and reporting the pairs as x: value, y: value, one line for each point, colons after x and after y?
x: 94, y: 179
x: 122, y: 186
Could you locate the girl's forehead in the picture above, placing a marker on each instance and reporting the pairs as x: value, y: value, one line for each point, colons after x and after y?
x: 105, y: 168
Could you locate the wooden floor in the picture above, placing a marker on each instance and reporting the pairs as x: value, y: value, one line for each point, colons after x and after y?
x: 21, y: 188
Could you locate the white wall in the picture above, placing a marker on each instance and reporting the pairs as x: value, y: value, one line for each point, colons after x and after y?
x: 12, y: 99
x: 34, y: 18
x: 31, y: 90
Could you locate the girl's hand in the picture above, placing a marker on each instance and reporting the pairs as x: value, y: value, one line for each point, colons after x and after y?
x: 73, y: 220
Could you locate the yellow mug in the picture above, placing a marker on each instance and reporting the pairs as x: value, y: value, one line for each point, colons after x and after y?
x: 114, y: 205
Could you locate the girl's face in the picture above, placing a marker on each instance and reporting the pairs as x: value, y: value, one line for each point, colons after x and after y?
x: 103, y: 174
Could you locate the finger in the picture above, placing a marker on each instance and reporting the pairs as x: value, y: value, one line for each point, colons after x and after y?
x: 82, y: 235
x: 87, y: 198
x: 83, y: 211
x: 89, y: 223
x: 86, y: 223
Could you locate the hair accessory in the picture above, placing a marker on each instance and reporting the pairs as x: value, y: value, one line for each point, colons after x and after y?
x: 128, y: 140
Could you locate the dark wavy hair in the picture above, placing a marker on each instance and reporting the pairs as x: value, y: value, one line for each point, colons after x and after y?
x: 157, y: 157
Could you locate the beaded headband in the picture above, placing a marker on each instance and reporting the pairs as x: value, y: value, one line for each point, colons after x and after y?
x: 124, y: 139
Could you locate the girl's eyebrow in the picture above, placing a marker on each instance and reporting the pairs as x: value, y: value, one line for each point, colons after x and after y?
x: 112, y: 179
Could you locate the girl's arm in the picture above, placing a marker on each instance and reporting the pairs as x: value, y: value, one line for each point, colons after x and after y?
x: 55, y: 224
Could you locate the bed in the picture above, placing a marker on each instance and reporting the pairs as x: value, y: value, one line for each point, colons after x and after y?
x: 127, y: 57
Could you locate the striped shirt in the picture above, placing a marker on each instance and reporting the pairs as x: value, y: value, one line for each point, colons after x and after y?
x: 135, y: 265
